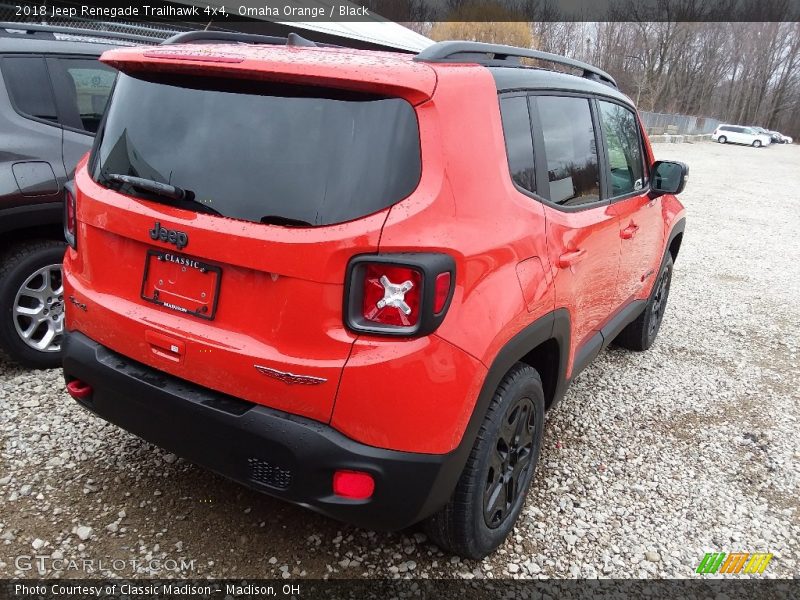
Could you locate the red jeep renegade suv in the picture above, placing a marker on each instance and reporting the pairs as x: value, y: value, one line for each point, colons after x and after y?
x: 356, y: 280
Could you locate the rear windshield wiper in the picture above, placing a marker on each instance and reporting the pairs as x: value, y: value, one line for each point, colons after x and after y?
x: 182, y: 198
x: 165, y: 190
x: 285, y: 221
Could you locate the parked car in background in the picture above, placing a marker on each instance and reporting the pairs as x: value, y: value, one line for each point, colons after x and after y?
x: 289, y: 279
x: 53, y: 92
x: 737, y: 134
x: 774, y: 136
x: 783, y: 139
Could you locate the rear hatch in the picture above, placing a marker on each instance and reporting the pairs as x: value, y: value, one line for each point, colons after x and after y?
x: 217, y: 215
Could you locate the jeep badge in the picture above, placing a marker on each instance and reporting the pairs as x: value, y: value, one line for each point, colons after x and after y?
x: 172, y: 236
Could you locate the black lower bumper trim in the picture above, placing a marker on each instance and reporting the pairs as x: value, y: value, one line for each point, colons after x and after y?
x: 283, y: 455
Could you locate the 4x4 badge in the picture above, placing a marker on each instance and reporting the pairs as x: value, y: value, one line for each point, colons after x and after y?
x: 287, y: 377
x: 172, y: 236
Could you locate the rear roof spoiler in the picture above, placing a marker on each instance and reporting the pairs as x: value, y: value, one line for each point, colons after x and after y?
x: 381, y: 74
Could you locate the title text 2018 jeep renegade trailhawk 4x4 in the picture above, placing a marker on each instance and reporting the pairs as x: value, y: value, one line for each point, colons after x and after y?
x: 356, y: 280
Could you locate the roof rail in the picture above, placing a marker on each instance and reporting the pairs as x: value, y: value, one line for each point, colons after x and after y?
x: 500, y: 55
x: 33, y: 28
x: 235, y: 37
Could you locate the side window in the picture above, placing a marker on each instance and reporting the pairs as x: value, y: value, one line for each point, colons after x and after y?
x: 621, y: 131
x: 519, y: 143
x: 82, y: 87
x: 570, y: 148
x: 29, y: 87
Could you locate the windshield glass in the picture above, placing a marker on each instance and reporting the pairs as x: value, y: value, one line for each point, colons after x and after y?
x: 258, y: 151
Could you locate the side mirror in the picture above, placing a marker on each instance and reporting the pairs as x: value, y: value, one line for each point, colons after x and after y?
x: 668, y: 177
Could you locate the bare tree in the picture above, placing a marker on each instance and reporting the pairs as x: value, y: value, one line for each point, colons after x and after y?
x: 689, y: 61
x: 746, y: 73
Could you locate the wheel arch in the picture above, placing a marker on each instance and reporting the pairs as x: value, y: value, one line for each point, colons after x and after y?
x: 15, y: 237
x: 533, y: 345
x: 31, y: 222
x: 544, y: 345
x: 675, y: 238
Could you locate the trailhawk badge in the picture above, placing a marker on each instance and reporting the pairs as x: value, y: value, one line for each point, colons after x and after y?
x: 287, y: 377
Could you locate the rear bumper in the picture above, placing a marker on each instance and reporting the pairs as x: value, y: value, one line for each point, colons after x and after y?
x: 274, y: 452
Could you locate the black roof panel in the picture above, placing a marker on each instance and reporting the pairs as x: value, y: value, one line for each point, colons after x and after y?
x: 529, y: 78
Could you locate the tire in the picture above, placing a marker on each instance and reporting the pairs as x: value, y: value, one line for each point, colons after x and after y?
x: 722, y: 139
x: 467, y: 526
x: 33, y: 267
x: 640, y: 334
x: 757, y: 144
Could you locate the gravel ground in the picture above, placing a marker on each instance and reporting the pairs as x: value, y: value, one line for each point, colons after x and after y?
x: 650, y: 461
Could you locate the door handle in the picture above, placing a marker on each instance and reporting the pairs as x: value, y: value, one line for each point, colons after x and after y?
x: 629, y: 231
x: 566, y: 260
x: 165, y: 346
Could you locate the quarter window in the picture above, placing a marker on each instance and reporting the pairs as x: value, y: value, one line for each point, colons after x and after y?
x: 519, y: 144
x: 86, y: 88
x: 625, y: 165
x: 29, y: 87
x: 570, y: 148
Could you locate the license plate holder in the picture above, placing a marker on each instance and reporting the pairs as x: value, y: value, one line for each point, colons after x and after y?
x: 181, y: 283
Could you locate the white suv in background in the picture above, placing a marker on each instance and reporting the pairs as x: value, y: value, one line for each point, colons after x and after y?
x: 740, y: 135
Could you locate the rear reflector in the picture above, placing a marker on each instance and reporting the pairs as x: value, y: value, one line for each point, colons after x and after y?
x: 79, y: 390
x: 442, y: 291
x: 353, y: 484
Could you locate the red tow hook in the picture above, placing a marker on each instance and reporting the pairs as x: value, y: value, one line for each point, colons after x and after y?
x: 79, y: 389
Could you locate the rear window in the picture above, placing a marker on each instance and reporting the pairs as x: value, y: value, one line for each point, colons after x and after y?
x: 260, y: 152
x: 571, y: 149
x: 85, y: 85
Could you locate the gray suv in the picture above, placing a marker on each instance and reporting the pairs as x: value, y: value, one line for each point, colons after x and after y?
x: 53, y: 92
